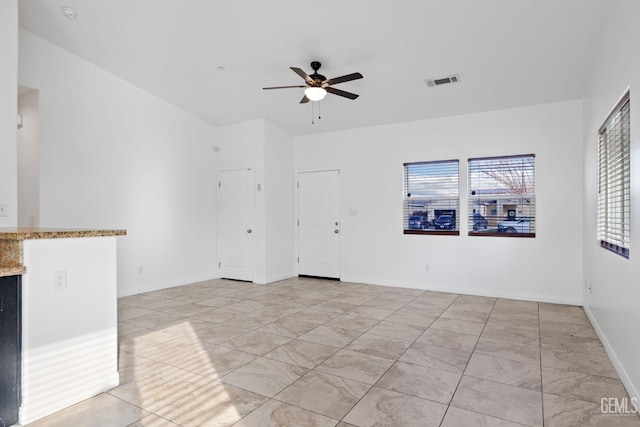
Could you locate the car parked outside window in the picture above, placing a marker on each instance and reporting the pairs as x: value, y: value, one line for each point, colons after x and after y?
x: 479, y: 222
x: 520, y: 225
x: 445, y: 222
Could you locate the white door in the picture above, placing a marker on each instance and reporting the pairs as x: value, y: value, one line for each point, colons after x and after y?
x: 319, y: 224
x: 235, y: 219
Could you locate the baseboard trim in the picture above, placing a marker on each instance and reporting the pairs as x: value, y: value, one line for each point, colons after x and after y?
x: 622, y: 373
x: 463, y: 290
x: 165, y: 285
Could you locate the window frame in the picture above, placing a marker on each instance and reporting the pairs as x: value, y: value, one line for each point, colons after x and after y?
x: 623, y: 217
x: 405, y: 198
x: 470, y: 199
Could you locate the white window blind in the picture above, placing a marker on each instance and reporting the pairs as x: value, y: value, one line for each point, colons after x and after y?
x: 502, y: 197
x: 613, y: 180
x: 431, y: 201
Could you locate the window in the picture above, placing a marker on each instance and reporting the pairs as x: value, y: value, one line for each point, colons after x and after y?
x: 502, y: 197
x: 431, y: 201
x: 613, y: 179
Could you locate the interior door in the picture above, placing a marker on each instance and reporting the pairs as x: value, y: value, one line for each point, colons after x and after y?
x: 319, y: 223
x: 235, y: 219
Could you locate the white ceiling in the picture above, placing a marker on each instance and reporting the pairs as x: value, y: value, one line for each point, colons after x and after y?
x: 508, y: 53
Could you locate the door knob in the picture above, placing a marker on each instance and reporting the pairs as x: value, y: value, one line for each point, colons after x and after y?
x: 336, y: 231
x: 249, y: 231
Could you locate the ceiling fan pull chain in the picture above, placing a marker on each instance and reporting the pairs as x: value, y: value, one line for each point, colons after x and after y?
x: 312, y: 121
x: 319, y: 111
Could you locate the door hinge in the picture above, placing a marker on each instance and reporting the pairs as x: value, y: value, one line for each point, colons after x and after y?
x: 219, y: 264
x: 298, y: 184
x: 298, y: 260
x: 219, y: 184
x: 298, y: 223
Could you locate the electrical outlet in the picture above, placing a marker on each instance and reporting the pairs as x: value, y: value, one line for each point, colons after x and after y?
x: 60, y: 280
x: 4, y: 210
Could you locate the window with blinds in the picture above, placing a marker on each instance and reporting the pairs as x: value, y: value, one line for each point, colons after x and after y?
x: 502, y: 196
x: 613, y: 179
x: 431, y: 202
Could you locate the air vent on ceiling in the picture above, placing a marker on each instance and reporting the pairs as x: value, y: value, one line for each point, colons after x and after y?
x: 454, y: 78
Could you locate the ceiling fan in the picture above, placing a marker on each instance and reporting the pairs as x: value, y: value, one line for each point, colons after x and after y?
x: 317, y: 85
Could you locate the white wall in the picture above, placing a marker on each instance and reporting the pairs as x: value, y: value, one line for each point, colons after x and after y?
x: 29, y: 161
x: 614, y: 301
x: 373, y: 247
x: 279, y: 207
x: 114, y: 156
x: 268, y: 150
x: 8, y: 110
x: 69, y: 336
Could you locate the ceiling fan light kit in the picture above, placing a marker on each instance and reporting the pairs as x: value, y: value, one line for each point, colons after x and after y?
x: 317, y: 85
x: 315, y: 93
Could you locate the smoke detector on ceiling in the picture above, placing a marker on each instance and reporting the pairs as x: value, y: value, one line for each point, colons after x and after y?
x: 69, y: 12
x: 453, y: 78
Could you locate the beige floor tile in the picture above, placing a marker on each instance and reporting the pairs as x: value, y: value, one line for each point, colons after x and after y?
x: 382, y: 407
x: 371, y: 312
x: 219, y: 333
x: 515, y: 312
x: 211, y: 360
x: 462, y: 313
x: 513, y: 322
x: 333, y: 337
x: 508, y: 350
x: 354, y: 323
x: 218, y: 315
x: 250, y: 321
x: 264, y: 376
x: 155, y: 320
x: 448, y: 339
x: 410, y: 319
x: 257, y: 342
x: 133, y: 367
x: 460, y: 326
x: 376, y: 345
x: 312, y: 316
x: 581, y: 386
x: 564, y: 328
x: 396, y: 330
x: 508, y: 333
x: 215, y: 404
x: 333, y: 307
x: 125, y: 328
x: 423, y: 308
x: 519, y: 374
x: 420, y: 381
x: 568, y: 342
x: 355, y: 366
x: 187, y: 309
x: 302, y: 353
x: 101, y: 410
x: 457, y: 417
x: 219, y: 302
x: 153, y: 420
x: 279, y: 414
x: 590, y: 364
x: 499, y: 400
x: 156, y: 391
x: 324, y: 394
x: 288, y: 327
x: 437, y: 357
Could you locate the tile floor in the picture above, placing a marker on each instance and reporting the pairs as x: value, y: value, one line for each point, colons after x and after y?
x: 305, y: 352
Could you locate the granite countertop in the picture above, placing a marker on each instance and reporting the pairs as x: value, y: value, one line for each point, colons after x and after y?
x: 30, y: 233
x: 11, y: 239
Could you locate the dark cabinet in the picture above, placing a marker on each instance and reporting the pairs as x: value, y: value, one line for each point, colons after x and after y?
x: 10, y: 348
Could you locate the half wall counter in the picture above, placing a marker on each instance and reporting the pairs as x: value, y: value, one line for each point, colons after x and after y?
x: 68, y: 319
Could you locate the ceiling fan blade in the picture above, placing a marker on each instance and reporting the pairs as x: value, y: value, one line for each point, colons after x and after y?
x: 304, y: 100
x: 302, y: 74
x: 342, y: 79
x: 341, y: 93
x: 281, y: 87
